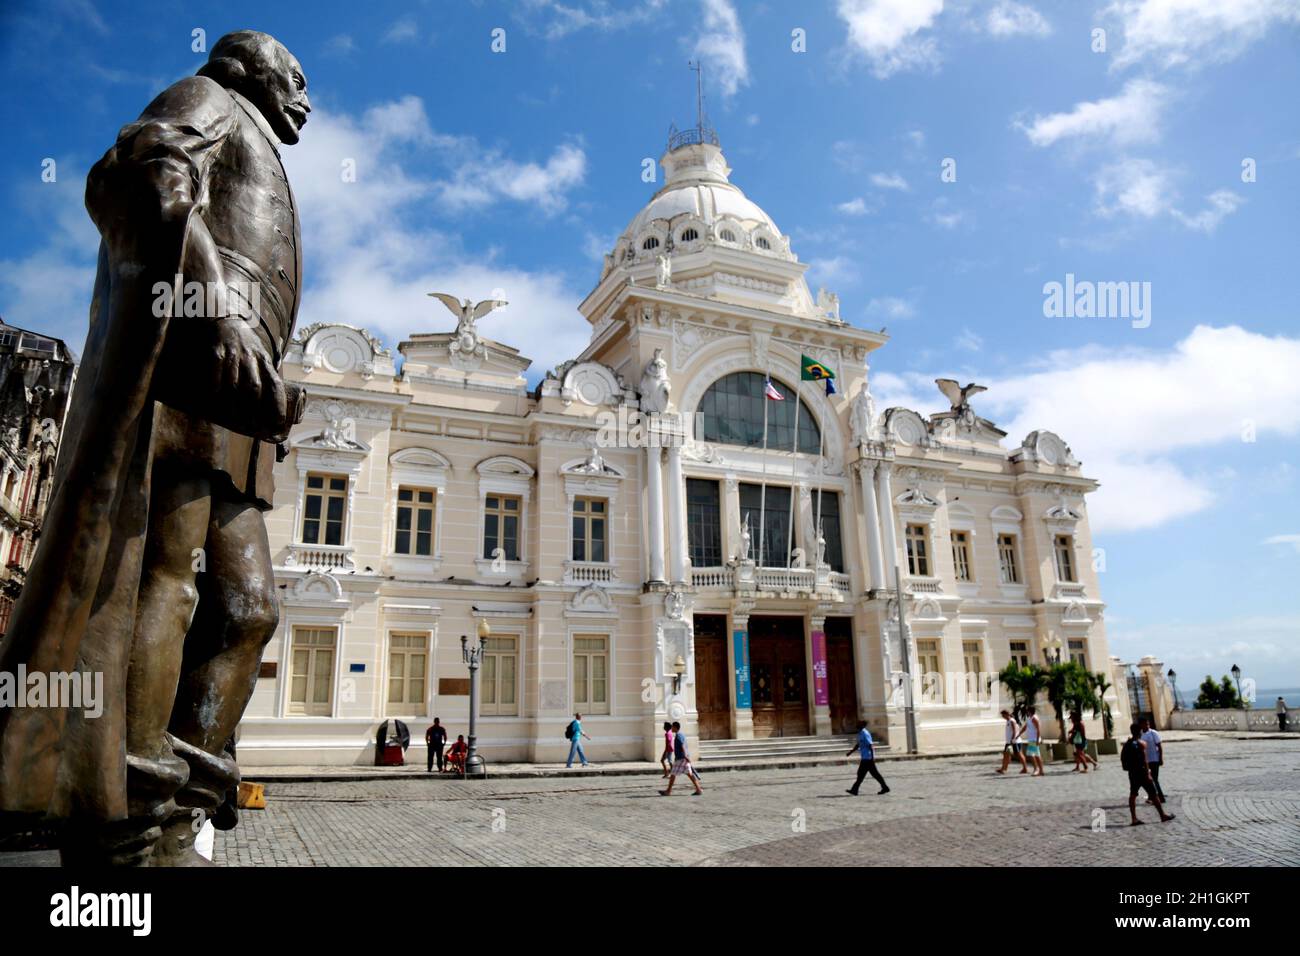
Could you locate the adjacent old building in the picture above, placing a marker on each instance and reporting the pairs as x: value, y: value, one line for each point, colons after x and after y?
x: 674, y: 525
x: 36, y: 376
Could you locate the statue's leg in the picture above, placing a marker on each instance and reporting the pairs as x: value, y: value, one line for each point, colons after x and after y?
x: 237, y: 614
x: 179, y: 511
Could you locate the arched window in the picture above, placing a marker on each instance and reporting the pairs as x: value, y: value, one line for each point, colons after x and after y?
x: 690, y: 235
x: 731, y: 413
x: 651, y: 243
x: 762, y: 242
x: 727, y: 235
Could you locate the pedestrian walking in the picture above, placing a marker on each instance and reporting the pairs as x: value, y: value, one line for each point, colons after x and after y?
x: 1155, y: 753
x: 435, y: 739
x: 1012, y: 746
x: 1079, y: 739
x: 681, y: 764
x: 666, y: 758
x: 1133, y: 758
x: 866, y: 750
x: 1281, y: 714
x: 575, y: 734
x: 1033, y: 733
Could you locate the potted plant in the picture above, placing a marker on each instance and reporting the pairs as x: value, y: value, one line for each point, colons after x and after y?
x: 1023, y: 684
x: 1069, y: 687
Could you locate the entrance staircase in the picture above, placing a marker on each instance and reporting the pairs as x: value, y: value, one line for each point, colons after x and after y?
x: 767, y: 748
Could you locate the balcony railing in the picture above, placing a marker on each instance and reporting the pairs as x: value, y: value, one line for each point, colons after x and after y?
x: 320, y: 557
x: 713, y: 578
x: 768, y: 579
x: 1066, y: 590
x: 588, y: 572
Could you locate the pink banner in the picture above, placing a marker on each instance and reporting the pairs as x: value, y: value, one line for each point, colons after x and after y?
x: 821, y: 687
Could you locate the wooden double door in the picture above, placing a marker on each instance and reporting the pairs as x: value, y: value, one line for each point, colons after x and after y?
x: 779, y: 677
x: 712, y: 687
x: 840, y: 675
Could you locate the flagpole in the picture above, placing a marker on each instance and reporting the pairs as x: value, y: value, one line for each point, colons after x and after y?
x: 821, y: 490
x: 762, y: 494
x: 794, y: 461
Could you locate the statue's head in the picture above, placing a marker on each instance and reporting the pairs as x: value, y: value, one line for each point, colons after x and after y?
x: 257, y: 66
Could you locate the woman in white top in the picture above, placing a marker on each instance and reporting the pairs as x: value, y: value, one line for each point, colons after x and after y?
x: 1011, y: 744
x: 1032, y: 737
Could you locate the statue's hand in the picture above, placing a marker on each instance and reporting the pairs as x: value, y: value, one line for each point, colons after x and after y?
x: 244, y: 368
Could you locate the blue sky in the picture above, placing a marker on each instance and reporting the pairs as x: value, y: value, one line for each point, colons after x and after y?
x: 514, y: 171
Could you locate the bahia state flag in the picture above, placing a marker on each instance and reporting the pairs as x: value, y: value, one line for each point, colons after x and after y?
x: 814, y: 371
x: 770, y: 391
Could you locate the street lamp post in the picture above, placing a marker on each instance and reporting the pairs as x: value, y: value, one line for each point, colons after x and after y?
x: 1173, y: 682
x: 475, y: 766
x: 1236, y: 676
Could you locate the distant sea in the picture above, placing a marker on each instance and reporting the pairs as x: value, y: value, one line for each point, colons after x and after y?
x: 1266, y: 699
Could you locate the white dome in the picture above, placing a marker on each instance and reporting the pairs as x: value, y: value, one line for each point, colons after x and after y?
x: 696, y: 185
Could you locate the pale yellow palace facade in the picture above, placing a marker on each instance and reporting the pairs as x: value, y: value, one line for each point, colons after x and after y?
x: 637, y: 553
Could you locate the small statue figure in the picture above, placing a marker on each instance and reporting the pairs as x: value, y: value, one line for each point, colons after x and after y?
x: 821, y: 546
x: 862, y: 417
x: 745, y: 540
x: 656, y: 390
x: 665, y: 270
x: 828, y: 304
x: 798, y: 560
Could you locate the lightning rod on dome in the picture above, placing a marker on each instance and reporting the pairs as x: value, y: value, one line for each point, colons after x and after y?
x: 701, y: 133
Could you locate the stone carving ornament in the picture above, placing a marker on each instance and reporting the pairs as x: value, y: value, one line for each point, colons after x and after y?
x: 656, y: 389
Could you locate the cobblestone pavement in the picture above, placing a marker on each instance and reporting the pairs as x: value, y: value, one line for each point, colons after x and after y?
x: 1238, y: 804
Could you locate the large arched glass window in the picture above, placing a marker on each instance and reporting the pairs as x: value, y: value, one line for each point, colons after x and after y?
x: 731, y: 413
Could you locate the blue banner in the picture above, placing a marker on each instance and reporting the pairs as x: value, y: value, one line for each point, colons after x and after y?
x: 741, y: 641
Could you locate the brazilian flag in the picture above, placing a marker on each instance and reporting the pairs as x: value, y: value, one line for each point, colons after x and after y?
x: 814, y: 371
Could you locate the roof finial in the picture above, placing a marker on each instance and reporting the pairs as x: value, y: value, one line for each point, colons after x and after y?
x: 702, y: 133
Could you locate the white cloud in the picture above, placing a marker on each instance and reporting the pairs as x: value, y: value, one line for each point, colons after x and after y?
x: 888, y: 181
x: 1128, y: 413
x: 1140, y: 188
x: 1222, y: 203
x: 943, y: 215
x: 1290, y: 540
x: 561, y: 19
x: 834, y: 269
x: 1169, y: 33
x: 1007, y: 18
x: 889, y: 33
x: 1136, y: 187
x: 969, y: 341
x: 856, y: 207
x: 341, y: 44
x: 371, y: 254
x: 401, y: 31
x: 1266, y: 647
x: 891, y: 307
x: 721, y: 46
x: 488, y: 176
x: 1131, y: 117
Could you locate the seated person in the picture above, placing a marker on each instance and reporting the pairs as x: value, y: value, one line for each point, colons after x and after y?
x: 455, y: 759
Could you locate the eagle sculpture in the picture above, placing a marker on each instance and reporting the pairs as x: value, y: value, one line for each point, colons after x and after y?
x: 467, y: 314
x: 958, y: 396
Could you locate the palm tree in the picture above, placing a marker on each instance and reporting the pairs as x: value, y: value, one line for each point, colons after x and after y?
x: 1070, y: 687
x: 1024, y: 685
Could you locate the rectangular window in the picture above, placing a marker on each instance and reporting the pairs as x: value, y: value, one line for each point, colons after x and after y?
x: 1020, y: 652
x: 1008, y: 572
x: 927, y: 656
x: 408, y: 661
x: 501, y: 515
x: 590, y: 520
x: 1079, y: 652
x: 972, y: 654
x: 704, y: 523
x: 961, y: 555
x: 323, y: 509
x: 1065, y: 558
x: 771, y: 512
x: 500, y: 677
x: 830, y: 512
x: 414, y: 522
x: 311, y: 680
x: 591, y: 673
x: 1064, y: 550
x: 918, y: 558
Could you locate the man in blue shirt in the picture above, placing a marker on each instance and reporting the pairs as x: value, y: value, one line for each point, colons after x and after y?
x: 866, y: 749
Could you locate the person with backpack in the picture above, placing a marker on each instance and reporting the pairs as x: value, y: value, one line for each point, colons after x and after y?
x: 681, y: 764
x: 1079, y: 739
x: 1155, y: 754
x: 1133, y: 758
x: 573, y: 733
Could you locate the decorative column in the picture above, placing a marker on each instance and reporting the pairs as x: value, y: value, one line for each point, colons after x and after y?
x: 885, y: 492
x: 875, y: 565
x: 742, y: 703
x: 655, y: 494
x: 676, y: 516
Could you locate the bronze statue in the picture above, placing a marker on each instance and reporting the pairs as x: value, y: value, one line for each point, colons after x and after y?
x: 154, y: 566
